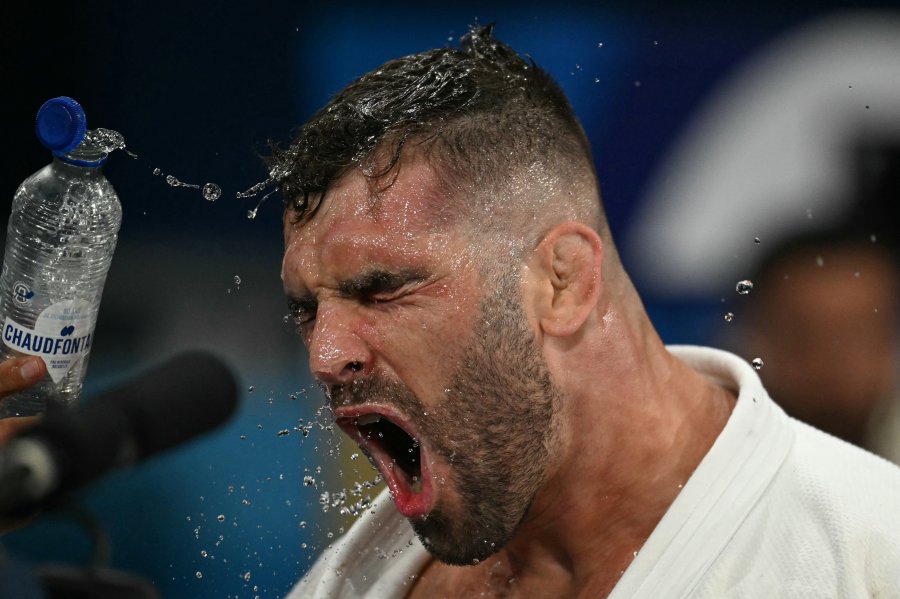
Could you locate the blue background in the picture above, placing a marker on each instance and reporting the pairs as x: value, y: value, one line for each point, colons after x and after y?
x: 199, y: 89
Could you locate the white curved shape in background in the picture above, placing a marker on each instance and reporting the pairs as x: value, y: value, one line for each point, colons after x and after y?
x: 767, y: 151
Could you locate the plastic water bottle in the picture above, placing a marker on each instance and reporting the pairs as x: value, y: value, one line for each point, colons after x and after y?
x: 60, y: 241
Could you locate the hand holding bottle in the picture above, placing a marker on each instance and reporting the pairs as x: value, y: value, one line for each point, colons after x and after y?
x: 17, y: 374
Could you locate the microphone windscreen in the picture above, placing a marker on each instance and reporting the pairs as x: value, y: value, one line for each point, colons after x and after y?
x: 184, y: 397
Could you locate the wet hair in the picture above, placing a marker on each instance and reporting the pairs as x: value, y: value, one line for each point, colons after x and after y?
x: 485, y: 118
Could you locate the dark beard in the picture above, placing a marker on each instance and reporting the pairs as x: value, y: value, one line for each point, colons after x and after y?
x: 494, y: 428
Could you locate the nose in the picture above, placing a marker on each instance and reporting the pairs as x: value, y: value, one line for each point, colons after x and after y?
x: 337, y: 354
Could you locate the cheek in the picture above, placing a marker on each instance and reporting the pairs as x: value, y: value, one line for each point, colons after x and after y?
x: 423, y: 346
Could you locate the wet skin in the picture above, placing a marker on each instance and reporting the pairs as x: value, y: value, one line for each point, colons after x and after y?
x: 383, y: 283
x: 379, y: 291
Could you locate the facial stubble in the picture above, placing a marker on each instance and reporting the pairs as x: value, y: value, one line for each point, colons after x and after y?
x: 493, y: 428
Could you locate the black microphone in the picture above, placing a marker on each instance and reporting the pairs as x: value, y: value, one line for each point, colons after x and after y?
x: 184, y: 397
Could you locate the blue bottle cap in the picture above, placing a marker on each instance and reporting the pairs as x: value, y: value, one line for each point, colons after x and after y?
x: 60, y: 124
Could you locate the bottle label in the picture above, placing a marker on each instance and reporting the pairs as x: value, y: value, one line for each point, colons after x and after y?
x: 62, y: 335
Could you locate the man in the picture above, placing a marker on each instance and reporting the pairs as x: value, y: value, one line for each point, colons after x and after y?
x: 450, y: 269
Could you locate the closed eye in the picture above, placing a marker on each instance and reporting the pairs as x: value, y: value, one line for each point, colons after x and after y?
x: 302, y: 311
x: 391, y: 295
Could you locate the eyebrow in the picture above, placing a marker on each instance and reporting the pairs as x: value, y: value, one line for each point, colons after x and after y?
x: 372, y: 281
x: 379, y: 280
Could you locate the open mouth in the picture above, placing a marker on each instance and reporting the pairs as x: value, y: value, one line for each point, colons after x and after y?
x: 397, y: 453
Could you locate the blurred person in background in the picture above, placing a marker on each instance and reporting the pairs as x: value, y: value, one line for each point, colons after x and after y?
x: 824, y: 317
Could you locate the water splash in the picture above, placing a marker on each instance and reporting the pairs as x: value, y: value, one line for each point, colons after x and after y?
x: 757, y: 363
x: 251, y: 214
x: 104, y: 140
x: 744, y: 287
x: 255, y: 189
x: 174, y: 182
x: 211, y: 192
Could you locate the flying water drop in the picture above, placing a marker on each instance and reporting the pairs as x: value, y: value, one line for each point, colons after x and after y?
x: 174, y: 182
x: 744, y: 287
x: 211, y: 192
x: 729, y: 317
x: 757, y: 363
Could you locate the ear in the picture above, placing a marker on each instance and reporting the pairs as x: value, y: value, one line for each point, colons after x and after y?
x: 564, y: 278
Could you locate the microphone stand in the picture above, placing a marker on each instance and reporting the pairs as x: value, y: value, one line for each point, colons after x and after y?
x: 96, y: 580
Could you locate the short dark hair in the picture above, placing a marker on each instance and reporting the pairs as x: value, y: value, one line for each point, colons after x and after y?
x: 479, y: 113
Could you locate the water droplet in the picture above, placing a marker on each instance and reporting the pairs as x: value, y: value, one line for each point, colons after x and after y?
x: 258, y: 187
x: 820, y: 261
x: 757, y: 363
x: 251, y: 214
x: 873, y: 238
x: 221, y: 517
x: 744, y: 287
x: 637, y: 83
x: 250, y: 389
x: 105, y: 140
x: 284, y: 432
x: 237, y: 280
x: 309, y: 481
x: 246, y: 576
x: 211, y: 192
x: 199, y: 574
x: 729, y: 317
x: 157, y: 172
x: 756, y: 240
x: 354, y: 456
x: 303, y: 524
x: 599, y: 44
x: 203, y: 553
x: 174, y: 182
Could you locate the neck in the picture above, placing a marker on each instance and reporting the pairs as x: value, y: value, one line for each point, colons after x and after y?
x: 635, y: 424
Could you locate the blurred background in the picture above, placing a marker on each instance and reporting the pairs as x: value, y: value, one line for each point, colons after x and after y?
x: 719, y: 135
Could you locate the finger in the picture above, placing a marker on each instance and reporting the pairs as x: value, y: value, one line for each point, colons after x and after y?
x: 10, y: 427
x: 20, y: 373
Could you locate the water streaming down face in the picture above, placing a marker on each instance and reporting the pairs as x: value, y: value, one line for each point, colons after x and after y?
x: 493, y: 428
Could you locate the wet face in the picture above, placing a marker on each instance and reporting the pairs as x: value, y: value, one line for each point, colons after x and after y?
x: 431, y: 363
